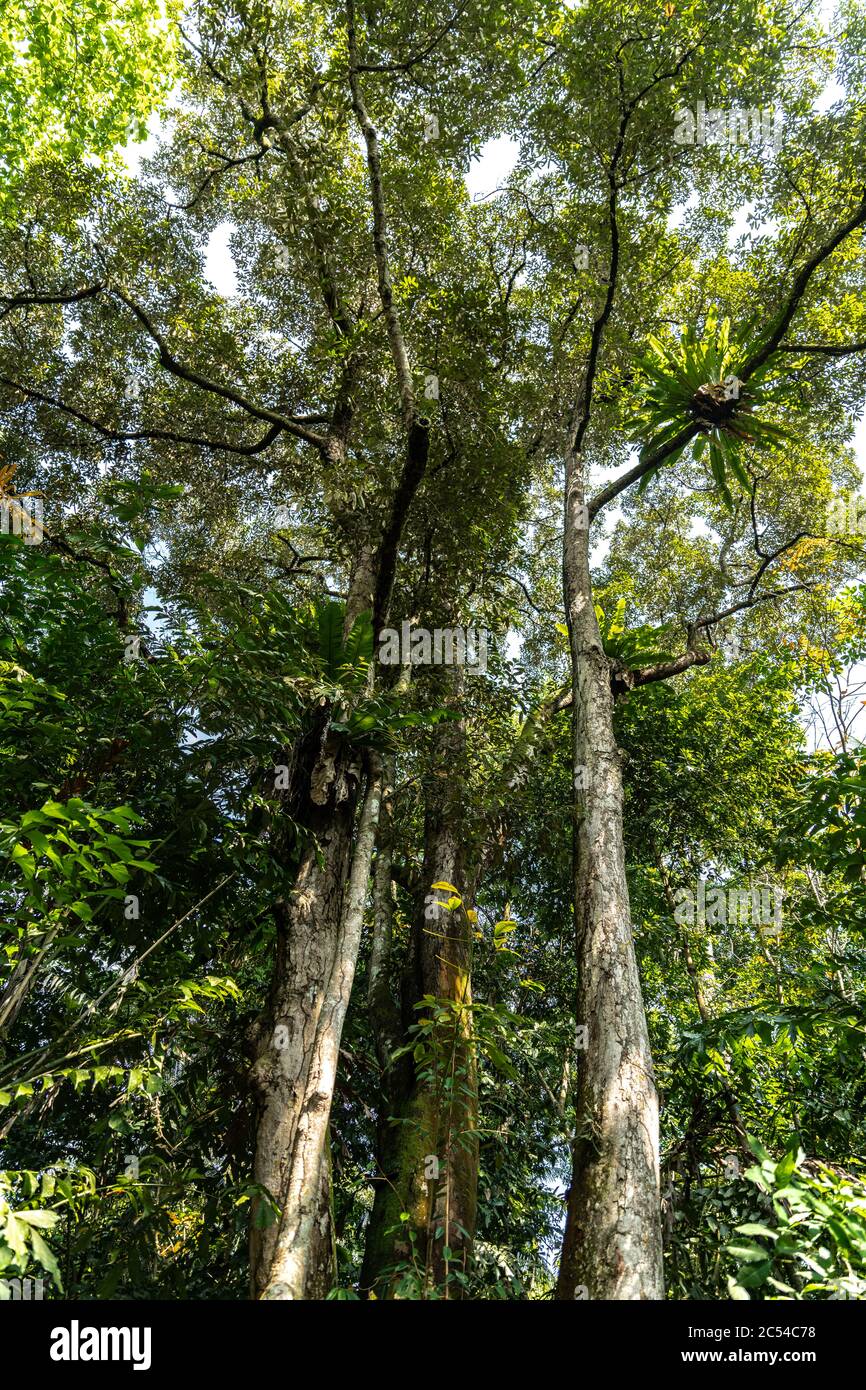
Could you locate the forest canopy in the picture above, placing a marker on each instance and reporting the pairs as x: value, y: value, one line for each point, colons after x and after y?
x: 432, y: 627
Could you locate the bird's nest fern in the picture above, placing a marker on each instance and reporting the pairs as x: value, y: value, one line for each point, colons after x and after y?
x: 697, y: 383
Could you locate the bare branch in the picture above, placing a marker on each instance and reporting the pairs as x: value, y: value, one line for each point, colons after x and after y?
x: 828, y: 349
x: 645, y: 466
x: 20, y: 301
x: 750, y: 602
x: 664, y: 670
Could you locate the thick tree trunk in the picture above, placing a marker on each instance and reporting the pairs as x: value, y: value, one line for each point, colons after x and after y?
x: 318, y: 936
x: 612, y: 1247
x: 428, y: 1147
x: 298, y: 1039
x: 295, y: 1068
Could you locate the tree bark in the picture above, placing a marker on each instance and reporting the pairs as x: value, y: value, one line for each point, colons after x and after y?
x: 294, y: 1073
x: 429, y: 1127
x: 612, y: 1248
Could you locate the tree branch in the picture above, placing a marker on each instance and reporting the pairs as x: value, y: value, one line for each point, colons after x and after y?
x: 664, y: 670
x: 176, y: 368
x: 757, y: 360
x: 417, y: 426
x: 18, y: 301
x: 620, y: 484
x: 380, y: 235
x: 829, y: 349
x: 422, y: 54
x: 126, y: 436
x: 798, y: 289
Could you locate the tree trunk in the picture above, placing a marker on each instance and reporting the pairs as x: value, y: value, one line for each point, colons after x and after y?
x: 612, y: 1247
x: 428, y: 1146
x: 297, y: 1043
x: 293, y: 1076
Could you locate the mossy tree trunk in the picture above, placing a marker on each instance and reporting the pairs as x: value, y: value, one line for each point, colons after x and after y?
x: 423, y: 1218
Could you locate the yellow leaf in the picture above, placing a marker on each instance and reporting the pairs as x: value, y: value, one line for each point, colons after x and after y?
x: 449, y: 886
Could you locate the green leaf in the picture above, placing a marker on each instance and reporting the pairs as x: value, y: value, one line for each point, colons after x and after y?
x: 747, y: 1250
x: 330, y: 617
x: 754, y: 1228
x: 46, y: 1258
x: 45, y: 1219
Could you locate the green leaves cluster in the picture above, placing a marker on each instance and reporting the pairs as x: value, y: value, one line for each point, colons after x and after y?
x: 78, y: 78
x: 812, y: 1240
x: 22, y: 1242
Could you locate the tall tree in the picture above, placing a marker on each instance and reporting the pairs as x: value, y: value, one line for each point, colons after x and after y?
x: 426, y: 410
